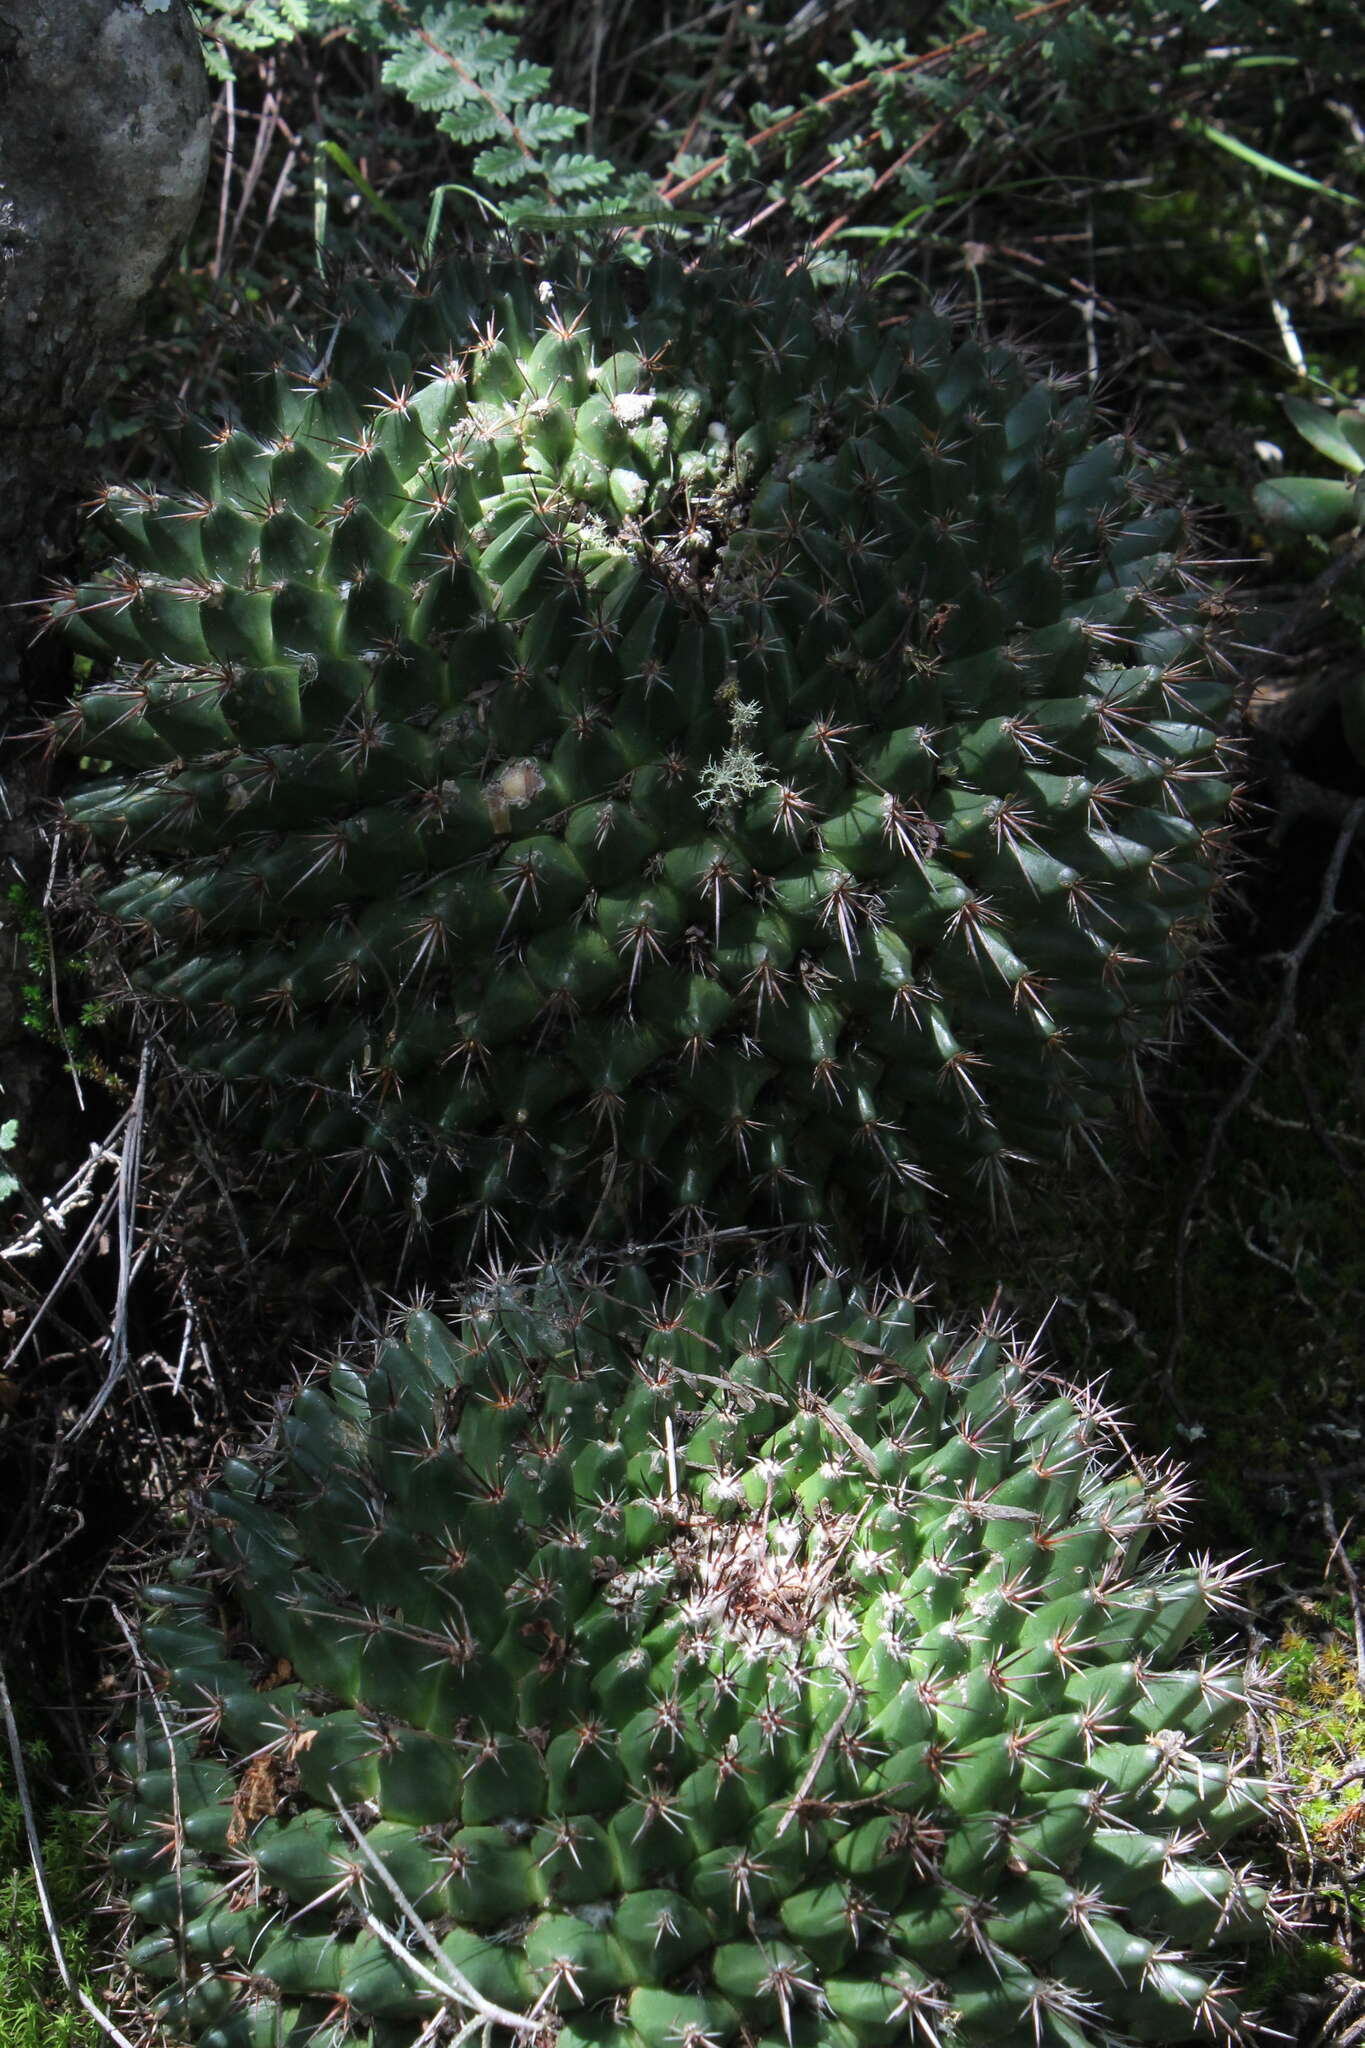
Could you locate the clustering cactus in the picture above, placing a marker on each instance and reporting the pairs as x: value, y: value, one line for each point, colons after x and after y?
x: 670, y: 743
x: 619, y: 747
x: 749, y: 1670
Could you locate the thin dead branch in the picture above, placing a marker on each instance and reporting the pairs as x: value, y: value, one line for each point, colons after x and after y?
x: 39, y: 1868
x: 1281, y: 1023
x: 129, y: 1168
x: 1339, y: 1555
x: 905, y: 66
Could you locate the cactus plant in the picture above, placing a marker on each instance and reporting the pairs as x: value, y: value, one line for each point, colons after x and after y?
x: 749, y: 1668
x: 674, y: 743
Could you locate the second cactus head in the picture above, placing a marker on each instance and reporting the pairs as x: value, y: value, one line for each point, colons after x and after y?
x: 722, y: 1671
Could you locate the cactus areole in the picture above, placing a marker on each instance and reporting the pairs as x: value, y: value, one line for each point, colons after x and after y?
x: 657, y: 743
x: 732, y: 1672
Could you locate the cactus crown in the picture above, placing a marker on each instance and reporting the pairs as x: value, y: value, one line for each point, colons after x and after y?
x: 653, y: 743
x: 724, y: 1672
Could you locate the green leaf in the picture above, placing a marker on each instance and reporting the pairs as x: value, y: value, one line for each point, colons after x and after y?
x: 1338, y: 436
x: 1306, y: 504
x: 350, y: 169
x: 503, y: 164
x: 541, y: 122
x: 532, y: 214
x: 1268, y: 165
x: 470, y: 124
x: 572, y: 171
x: 437, y: 208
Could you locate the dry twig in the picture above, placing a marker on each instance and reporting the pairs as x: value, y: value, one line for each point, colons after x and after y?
x: 1282, y: 1022
x: 35, y: 1854
x: 1338, y: 1553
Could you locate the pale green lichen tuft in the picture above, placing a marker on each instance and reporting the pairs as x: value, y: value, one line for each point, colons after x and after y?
x: 738, y: 772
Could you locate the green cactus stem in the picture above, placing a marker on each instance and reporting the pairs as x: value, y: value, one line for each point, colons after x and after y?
x: 653, y: 744
x: 753, y: 1669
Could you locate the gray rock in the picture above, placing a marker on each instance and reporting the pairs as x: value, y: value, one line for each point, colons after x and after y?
x: 104, y: 148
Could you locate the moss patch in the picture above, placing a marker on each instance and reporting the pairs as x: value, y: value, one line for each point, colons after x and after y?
x: 35, y: 2011
x: 1322, y: 1729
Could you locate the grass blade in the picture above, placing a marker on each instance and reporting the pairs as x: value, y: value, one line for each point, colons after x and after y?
x: 1268, y: 165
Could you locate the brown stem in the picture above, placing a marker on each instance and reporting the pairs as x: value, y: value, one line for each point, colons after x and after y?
x: 902, y: 67
x: 499, y: 113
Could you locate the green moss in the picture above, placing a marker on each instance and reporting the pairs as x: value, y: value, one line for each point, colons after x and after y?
x: 35, y: 2010
x: 1195, y: 225
x: 40, y: 973
x: 1324, y: 1728
x: 1292, y: 1972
